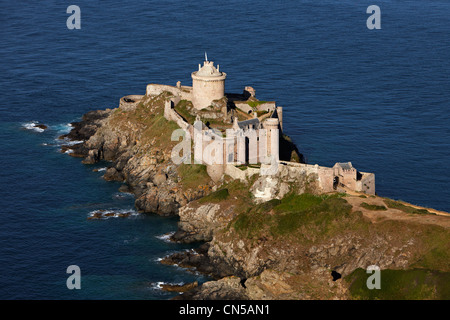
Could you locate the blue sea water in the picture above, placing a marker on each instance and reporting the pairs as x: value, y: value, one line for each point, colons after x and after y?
x: 378, y: 98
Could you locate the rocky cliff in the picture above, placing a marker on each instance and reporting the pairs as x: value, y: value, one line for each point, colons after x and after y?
x: 137, y: 143
x: 295, y: 248
x: 267, y: 237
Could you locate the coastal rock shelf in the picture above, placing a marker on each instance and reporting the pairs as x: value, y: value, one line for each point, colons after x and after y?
x: 286, y: 236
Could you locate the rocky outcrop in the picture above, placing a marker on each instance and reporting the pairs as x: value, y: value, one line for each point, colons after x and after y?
x: 343, y: 254
x: 265, y: 266
x: 198, y: 223
x: 228, y: 288
x: 143, y: 164
x: 268, y: 187
x: 179, y: 287
x: 88, y: 125
x: 197, y: 260
x: 82, y: 131
x: 286, y: 267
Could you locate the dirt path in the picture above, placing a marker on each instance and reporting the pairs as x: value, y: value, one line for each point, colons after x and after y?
x: 441, y: 218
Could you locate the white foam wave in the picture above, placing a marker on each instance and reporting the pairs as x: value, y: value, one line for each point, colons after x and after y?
x: 166, y: 237
x: 112, y: 213
x: 63, y: 128
x: 162, y: 258
x: 158, y: 285
x: 122, y: 195
x: 32, y: 126
x: 72, y: 142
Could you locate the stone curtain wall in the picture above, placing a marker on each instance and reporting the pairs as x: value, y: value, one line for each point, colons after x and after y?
x: 237, y: 173
x: 325, y: 174
x: 171, y: 115
x: 367, y: 183
x: 130, y: 102
x: 184, y: 92
x: 266, y: 106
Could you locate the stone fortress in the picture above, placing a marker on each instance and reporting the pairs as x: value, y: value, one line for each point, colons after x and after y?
x: 206, y: 112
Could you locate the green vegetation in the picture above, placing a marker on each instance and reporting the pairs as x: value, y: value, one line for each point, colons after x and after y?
x: 316, y: 216
x: 317, y: 219
x: 255, y: 220
x: 373, y: 207
x: 414, y: 284
x: 254, y: 104
x: 149, y: 117
x: 295, y: 202
x: 239, y: 189
x: 435, y: 248
x: 261, y: 112
x: 216, y: 196
x: 408, y: 209
x: 216, y: 123
x: 161, y: 129
x: 182, y: 109
x: 363, y: 196
x: 193, y: 175
x: 294, y: 157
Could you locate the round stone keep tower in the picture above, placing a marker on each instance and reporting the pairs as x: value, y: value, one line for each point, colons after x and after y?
x: 208, y: 84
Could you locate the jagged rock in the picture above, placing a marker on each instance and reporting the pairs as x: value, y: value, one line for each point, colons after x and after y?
x: 144, y: 165
x: 262, y: 268
x: 268, y: 187
x: 229, y: 288
x: 92, y: 157
x: 124, y: 188
x: 269, y: 285
x: 112, y: 174
x: 194, y: 259
x: 41, y: 126
x: 179, y: 288
x: 88, y: 126
x: 159, y: 179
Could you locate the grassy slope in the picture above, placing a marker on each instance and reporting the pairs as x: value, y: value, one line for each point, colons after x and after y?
x: 405, y: 208
x: 193, y: 175
x: 304, y: 218
x: 155, y: 131
x: 413, y: 284
x: 309, y: 219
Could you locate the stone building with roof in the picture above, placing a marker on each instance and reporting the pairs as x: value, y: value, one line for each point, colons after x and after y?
x: 243, y: 117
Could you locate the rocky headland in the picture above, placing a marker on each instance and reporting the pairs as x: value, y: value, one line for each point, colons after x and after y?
x: 290, y: 245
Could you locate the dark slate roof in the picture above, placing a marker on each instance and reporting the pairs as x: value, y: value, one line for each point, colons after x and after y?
x: 345, y: 165
x: 246, y: 123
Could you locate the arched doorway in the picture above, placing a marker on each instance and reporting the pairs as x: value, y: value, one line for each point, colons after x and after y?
x: 335, y: 182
